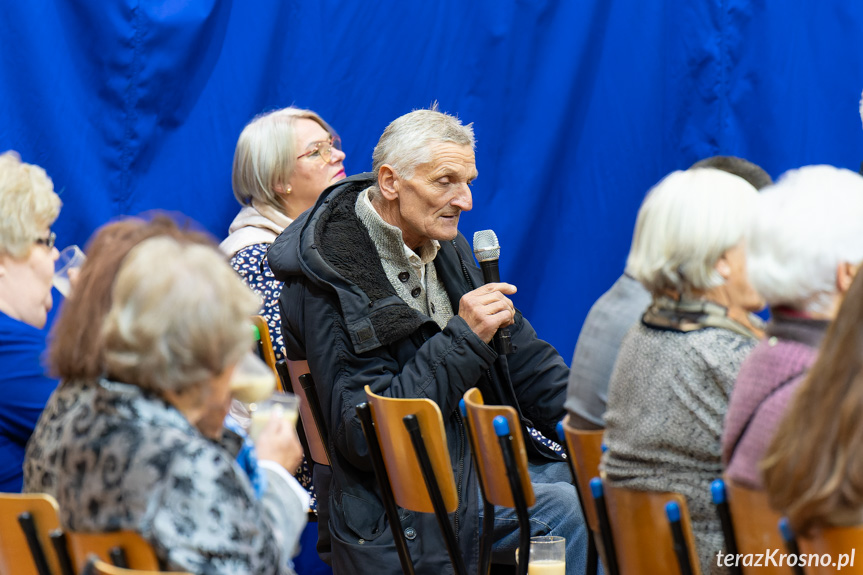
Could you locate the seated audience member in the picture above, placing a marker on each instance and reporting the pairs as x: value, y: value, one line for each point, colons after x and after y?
x: 283, y: 161
x: 134, y: 458
x: 614, y: 313
x: 382, y: 290
x: 806, y: 247
x: 674, y: 373
x: 28, y: 208
x: 813, y: 465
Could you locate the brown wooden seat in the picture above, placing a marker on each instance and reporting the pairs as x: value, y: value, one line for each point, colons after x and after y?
x: 97, y: 567
x: 755, y: 526
x: 585, y: 452
x: 310, y: 410
x: 121, y: 548
x: 838, y: 543
x: 641, y: 532
x: 501, y: 484
x: 265, y: 346
x: 407, y: 442
x: 17, y: 555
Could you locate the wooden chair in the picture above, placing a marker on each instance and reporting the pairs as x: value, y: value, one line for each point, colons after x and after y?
x: 501, y: 460
x: 645, y: 534
x: 125, y: 549
x: 840, y: 543
x: 748, y: 523
x: 26, y: 547
x: 297, y: 379
x: 585, y: 451
x: 265, y: 342
x: 97, y: 567
x: 407, y: 440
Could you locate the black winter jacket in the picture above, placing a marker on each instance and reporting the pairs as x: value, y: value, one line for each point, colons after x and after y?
x: 342, y: 315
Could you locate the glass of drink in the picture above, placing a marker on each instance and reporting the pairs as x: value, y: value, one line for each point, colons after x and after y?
x: 71, y: 258
x: 547, y: 555
x: 283, y: 405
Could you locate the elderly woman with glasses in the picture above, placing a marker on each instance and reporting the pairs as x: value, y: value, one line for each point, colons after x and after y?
x: 28, y: 208
x: 283, y: 161
x: 675, y: 369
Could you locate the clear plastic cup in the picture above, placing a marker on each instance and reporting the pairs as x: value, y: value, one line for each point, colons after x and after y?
x: 284, y: 405
x: 71, y: 258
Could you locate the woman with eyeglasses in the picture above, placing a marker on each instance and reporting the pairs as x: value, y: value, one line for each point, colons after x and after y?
x: 28, y: 208
x: 283, y: 161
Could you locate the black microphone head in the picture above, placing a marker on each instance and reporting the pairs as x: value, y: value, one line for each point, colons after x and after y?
x: 485, y: 246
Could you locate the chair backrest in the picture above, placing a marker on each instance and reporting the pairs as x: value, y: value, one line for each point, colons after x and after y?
x: 97, y: 567
x: 492, y: 471
x: 266, y: 349
x: 754, y: 523
x: 138, y: 552
x: 311, y: 421
x: 585, y: 452
x: 401, y: 462
x: 840, y: 543
x: 15, y: 556
x: 642, y: 536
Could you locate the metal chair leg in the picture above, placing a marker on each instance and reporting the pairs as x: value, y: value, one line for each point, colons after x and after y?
x: 681, y: 549
x: 501, y: 428
x: 28, y: 526
x: 365, y: 414
x: 598, y: 493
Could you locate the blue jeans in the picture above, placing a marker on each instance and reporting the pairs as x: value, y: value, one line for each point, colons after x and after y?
x: 556, y: 512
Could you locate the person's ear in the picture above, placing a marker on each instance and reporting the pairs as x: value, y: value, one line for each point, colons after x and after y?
x: 845, y: 272
x: 388, y: 183
x: 723, y: 267
x: 282, y: 189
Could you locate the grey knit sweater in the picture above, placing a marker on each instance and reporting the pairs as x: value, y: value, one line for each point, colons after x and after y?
x: 429, y: 297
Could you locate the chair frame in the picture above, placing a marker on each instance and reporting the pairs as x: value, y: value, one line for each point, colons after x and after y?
x: 499, y: 424
x: 388, y: 461
x: 577, y: 442
x: 37, y: 517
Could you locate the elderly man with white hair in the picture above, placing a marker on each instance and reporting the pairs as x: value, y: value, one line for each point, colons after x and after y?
x: 806, y: 247
x: 380, y: 289
x: 675, y: 370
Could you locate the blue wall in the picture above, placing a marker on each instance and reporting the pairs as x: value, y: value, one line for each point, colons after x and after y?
x: 579, y: 106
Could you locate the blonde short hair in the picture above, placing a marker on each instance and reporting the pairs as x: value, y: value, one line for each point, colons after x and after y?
x: 28, y: 204
x: 266, y: 155
x: 180, y: 316
x: 685, y: 224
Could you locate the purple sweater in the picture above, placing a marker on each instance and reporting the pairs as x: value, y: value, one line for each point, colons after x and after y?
x: 765, y: 386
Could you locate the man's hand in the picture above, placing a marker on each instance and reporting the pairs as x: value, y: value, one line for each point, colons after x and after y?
x: 487, y: 309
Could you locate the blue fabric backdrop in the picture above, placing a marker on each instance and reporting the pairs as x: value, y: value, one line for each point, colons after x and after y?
x: 579, y: 106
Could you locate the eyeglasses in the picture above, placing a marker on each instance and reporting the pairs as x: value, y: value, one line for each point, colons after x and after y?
x: 47, y: 242
x: 324, y: 149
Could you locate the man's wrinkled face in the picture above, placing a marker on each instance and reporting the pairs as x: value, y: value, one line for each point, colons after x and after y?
x: 430, y: 202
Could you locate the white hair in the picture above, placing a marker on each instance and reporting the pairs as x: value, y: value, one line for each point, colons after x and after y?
x: 180, y: 316
x: 685, y: 224
x: 405, y: 143
x: 28, y: 204
x: 806, y: 224
x: 266, y: 155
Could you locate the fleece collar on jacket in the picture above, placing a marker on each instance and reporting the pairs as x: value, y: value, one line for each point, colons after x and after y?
x: 332, y: 248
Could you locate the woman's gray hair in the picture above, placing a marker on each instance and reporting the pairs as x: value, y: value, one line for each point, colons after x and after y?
x: 685, y: 224
x: 28, y: 203
x: 266, y: 155
x: 806, y: 224
x: 180, y: 316
x: 405, y: 143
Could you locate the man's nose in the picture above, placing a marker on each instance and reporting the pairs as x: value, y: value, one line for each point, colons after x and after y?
x: 464, y: 199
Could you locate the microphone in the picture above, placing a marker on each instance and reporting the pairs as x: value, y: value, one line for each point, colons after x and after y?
x: 487, y: 251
